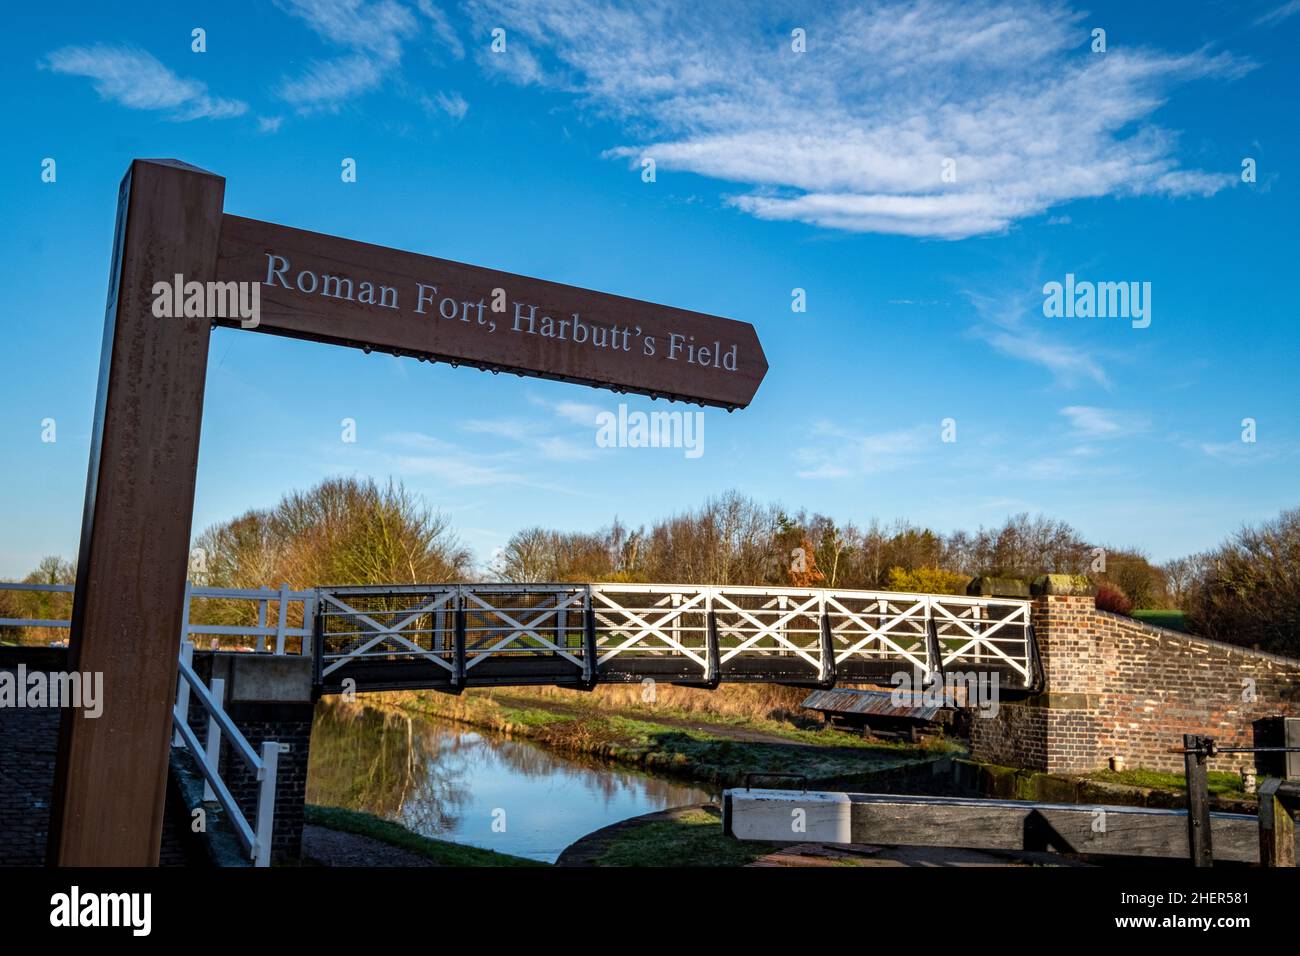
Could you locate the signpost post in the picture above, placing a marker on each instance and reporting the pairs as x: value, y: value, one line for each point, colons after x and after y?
x: 172, y: 235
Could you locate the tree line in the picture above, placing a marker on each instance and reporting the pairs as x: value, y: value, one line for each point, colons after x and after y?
x: 356, y: 531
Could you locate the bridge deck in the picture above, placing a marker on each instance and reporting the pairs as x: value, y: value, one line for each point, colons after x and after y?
x: 451, y: 636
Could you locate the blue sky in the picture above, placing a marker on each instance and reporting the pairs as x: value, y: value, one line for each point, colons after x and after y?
x: 775, y: 170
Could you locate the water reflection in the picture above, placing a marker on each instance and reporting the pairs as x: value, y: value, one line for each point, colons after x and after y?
x: 448, y: 781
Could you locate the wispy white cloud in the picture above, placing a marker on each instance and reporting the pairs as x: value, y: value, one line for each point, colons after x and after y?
x: 373, y: 34
x: 853, y: 133
x: 325, y: 85
x: 451, y: 103
x: 137, y: 80
x: 577, y: 413
x: 1278, y: 14
x: 549, y: 436
x: 839, y: 453
x: 442, y: 28
x: 1007, y: 325
x: 1090, y: 423
x: 467, y: 465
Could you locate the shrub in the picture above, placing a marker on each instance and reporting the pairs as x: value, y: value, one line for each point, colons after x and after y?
x: 926, y: 581
x: 1111, y: 598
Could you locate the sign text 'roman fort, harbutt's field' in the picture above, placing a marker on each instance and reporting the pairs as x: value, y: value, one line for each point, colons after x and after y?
x: 351, y: 293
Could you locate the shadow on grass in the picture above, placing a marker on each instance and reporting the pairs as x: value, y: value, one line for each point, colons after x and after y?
x: 394, y: 834
x: 690, y: 837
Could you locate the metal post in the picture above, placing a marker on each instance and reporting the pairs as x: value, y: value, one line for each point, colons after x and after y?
x: 677, y: 618
x: 185, y: 613
x: 458, y: 663
x: 261, y: 623
x: 266, y: 803
x: 590, y: 673
x: 318, y: 639
x: 212, y: 751
x: 827, y: 675
x: 714, y: 673
x: 308, y: 625
x: 280, y: 623
x: 934, y: 656
x: 1198, y: 798
x: 782, y: 605
x: 183, y: 694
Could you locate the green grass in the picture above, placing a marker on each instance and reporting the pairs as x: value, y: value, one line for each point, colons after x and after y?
x: 709, y: 755
x: 821, y: 735
x: 531, y: 716
x: 1221, y: 783
x: 394, y: 834
x: 1172, y: 620
x: 693, y: 839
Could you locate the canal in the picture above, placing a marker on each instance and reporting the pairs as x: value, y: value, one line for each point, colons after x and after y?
x: 452, y: 782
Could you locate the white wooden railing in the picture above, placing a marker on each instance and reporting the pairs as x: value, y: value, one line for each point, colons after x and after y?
x: 255, y: 837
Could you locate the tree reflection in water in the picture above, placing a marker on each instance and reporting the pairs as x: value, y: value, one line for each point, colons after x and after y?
x: 446, y: 780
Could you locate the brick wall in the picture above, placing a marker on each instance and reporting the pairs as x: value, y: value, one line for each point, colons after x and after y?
x: 29, y: 743
x: 288, y: 724
x: 1115, y: 686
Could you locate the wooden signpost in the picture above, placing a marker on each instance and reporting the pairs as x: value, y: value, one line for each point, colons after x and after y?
x: 127, y: 611
x: 350, y: 293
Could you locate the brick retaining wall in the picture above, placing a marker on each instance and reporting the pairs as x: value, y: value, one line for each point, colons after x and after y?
x: 1116, y: 686
x: 29, y: 743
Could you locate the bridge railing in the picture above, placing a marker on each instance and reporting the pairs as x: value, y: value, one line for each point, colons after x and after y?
x: 459, y: 635
x: 466, y: 634
x: 263, y: 620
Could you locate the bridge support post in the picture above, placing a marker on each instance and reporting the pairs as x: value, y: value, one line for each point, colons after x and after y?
x: 933, y: 653
x: 458, y: 651
x: 589, y: 672
x: 713, y: 675
x: 827, y: 648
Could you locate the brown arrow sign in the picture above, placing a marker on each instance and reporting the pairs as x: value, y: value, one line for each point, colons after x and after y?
x: 335, y: 290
